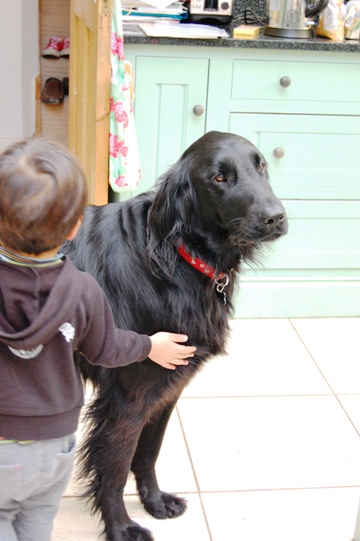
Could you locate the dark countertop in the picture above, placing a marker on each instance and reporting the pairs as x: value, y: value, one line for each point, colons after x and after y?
x: 262, y: 42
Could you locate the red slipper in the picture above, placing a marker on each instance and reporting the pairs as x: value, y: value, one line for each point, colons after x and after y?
x: 53, y: 48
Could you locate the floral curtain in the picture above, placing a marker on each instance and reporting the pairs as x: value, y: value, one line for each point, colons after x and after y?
x: 124, y: 161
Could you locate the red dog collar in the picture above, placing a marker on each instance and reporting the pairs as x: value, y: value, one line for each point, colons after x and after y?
x: 199, y: 265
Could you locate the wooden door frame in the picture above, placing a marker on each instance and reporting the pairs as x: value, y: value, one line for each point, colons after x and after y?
x: 89, y: 93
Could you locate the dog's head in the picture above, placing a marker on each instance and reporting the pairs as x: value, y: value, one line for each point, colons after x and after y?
x: 231, y: 180
x: 219, y: 192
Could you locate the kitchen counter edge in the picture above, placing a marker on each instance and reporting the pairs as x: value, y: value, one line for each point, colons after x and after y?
x: 262, y: 42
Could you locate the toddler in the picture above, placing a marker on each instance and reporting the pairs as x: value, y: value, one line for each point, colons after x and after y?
x: 48, y: 310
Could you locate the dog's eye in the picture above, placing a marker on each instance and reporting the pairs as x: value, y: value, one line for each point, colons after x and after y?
x: 220, y: 178
x: 262, y: 166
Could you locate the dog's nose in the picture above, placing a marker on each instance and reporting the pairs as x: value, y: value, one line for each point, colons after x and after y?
x: 273, y: 218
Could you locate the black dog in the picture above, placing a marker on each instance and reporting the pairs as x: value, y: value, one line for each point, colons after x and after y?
x: 167, y: 260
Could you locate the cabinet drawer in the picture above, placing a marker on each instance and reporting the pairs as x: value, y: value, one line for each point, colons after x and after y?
x: 318, y: 155
x: 309, y: 81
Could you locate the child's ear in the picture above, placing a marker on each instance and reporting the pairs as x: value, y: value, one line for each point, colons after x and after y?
x: 74, y: 231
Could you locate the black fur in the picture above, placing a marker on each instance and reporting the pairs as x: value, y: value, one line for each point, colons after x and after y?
x: 217, y: 201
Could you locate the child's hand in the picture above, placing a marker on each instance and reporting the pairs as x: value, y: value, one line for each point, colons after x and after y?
x: 166, y: 352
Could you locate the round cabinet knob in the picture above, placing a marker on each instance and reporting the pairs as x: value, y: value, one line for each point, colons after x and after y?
x: 285, y: 81
x: 225, y: 6
x: 198, y: 110
x: 279, y: 152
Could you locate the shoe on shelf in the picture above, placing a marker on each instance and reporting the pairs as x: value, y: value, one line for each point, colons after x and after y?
x: 53, y: 48
x: 65, y: 47
x: 53, y: 91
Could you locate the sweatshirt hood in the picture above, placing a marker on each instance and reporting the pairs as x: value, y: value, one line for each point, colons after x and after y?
x: 45, y: 321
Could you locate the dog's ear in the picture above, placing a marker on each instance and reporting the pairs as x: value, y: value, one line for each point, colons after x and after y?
x: 173, y: 213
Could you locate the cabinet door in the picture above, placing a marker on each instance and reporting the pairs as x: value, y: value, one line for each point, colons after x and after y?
x: 167, y: 90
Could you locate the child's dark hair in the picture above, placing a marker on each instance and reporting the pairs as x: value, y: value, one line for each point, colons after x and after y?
x: 42, y: 195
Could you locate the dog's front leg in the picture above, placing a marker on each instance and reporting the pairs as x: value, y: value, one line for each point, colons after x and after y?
x: 156, y: 502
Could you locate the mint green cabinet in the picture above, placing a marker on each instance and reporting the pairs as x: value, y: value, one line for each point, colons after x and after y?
x: 302, y: 109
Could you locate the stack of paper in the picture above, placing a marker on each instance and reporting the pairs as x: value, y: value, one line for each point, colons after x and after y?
x: 137, y: 12
x: 187, y: 31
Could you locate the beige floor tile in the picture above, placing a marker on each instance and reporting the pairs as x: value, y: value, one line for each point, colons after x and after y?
x: 74, y: 522
x: 267, y: 443
x: 334, y: 345
x: 297, y: 515
x: 265, y: 357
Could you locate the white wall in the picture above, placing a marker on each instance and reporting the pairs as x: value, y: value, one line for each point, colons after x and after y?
x: 19, y: 66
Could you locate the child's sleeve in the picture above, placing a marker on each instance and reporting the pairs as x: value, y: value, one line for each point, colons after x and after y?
x: 102, y: 342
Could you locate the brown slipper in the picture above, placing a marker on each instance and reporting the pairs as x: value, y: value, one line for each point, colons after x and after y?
x: 53, y: 91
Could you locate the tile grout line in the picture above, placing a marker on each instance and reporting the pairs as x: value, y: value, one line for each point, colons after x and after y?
x: 194, y: 474
x: 325, y: 379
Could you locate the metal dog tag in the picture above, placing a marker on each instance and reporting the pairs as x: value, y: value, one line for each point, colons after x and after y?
x: 221, y: 286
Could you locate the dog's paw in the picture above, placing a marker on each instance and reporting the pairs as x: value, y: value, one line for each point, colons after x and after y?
x: 134, y: 532
x: 165, y: 505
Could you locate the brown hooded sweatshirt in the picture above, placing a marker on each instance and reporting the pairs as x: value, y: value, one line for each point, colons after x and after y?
x: 46, y: 312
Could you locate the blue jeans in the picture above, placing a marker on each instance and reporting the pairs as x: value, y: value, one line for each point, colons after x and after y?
x: 33, y: 477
